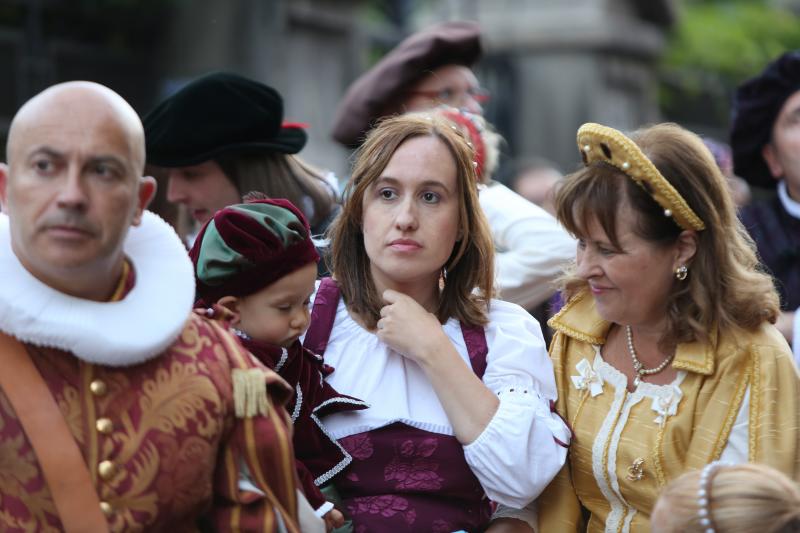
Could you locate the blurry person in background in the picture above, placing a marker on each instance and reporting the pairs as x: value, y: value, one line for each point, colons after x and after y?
x: 765, y: 138
x: 740, y: 190
x: 222, y: 136
x: 429, y: 69
x: 512, y: 218
x: 535, y: 179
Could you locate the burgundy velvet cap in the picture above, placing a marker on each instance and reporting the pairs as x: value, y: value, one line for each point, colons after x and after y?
x: 248, y: 246
x: 756, y: 105
x: 448, y: 43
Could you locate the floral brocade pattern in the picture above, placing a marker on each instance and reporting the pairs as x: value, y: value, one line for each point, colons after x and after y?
x: 166, y: 422
x: 406, y: 479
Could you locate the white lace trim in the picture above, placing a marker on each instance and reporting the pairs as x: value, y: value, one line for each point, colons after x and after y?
x: 347, y: 459
x: 297, y: 404
x: 123, y: 333
x: 282, y: 361
x: 603, y: 435
x: 620, y: 506
x: 622, y: 513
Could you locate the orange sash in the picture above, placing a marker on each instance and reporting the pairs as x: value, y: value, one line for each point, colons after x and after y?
x: 57, y: 451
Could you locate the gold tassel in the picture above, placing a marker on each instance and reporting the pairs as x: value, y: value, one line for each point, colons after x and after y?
x: 249, y: 393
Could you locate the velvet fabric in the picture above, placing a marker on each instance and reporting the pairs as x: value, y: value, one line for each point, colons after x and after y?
x: 371, y: 96
x: 247, y: 247
x: 777, y: 235
x: 217, y: 114
x: 756, y: 105
x: 318, y: 456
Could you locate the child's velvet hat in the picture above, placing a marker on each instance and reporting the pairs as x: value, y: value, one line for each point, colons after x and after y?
x: 248, y: 246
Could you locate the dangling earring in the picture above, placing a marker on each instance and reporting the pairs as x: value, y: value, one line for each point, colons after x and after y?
x: 681, y: 272
x: 442, y: 278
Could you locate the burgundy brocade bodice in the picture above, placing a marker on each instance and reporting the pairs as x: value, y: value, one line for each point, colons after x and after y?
x: 401, y: 478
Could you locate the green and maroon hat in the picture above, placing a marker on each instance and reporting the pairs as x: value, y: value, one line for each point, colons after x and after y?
x: 248, y: 246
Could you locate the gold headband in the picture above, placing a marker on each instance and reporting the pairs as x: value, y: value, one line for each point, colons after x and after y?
x: 601, y: 143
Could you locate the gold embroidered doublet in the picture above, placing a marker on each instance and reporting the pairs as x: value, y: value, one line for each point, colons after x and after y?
x: 157, y: 437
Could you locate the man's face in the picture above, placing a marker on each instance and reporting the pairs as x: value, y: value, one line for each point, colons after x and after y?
x: 71, y: 189
x: 453, y: 85
x: 782, y: 154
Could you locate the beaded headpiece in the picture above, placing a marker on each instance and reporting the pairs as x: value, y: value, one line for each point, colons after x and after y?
x: 601, y: 143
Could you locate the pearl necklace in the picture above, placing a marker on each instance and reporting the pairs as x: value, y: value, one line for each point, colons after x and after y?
x: 641, y: 371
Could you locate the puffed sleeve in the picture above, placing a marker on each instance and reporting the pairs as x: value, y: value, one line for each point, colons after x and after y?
x: 532, y: 247
x: 525, y: 443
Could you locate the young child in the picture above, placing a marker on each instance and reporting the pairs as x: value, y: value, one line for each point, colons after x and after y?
x: 726, y: 498
x: 255, y: 267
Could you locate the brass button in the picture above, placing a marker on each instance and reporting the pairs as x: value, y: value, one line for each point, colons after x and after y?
x: 106, y: 469
x: 104, y: 425
x: 106, y: 508
x: 98, y: 387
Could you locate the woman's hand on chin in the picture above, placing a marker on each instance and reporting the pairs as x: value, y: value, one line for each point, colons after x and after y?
x: 406, y: 327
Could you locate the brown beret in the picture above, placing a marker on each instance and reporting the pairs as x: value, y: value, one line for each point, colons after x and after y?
x: 448, y: 43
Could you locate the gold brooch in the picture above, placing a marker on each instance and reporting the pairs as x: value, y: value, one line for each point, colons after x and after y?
x: 636, y: 470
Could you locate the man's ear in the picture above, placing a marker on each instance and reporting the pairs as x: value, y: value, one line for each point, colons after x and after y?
x: 771, y: 158
x: 231, y: 303
x: 147, y: 191
x: 4, y: 187
x: 686, y: 247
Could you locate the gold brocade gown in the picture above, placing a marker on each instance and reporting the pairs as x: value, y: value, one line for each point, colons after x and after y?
x: 628, y: 445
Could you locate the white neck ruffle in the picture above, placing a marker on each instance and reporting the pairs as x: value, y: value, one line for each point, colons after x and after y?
x: 792, y: 207
x: 122, y: 333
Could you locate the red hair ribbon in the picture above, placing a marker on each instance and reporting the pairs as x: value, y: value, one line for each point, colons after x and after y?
x: 460, y: 117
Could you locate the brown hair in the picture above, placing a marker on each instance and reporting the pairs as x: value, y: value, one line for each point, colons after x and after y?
x: 470, y: 268
x: 281, y: 176
x: 727, y: 288
x: 741, y: 499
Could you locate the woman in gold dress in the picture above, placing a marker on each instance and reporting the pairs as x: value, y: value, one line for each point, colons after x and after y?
x: 665, y: 354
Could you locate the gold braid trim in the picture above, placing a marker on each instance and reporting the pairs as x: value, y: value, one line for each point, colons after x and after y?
x: 249, y: 392
x: 705, y: 368
x: 755, y: 407
x: 557, y: 323
x: 733, y: 411
x: 658, y: 456
x: 601, y: 143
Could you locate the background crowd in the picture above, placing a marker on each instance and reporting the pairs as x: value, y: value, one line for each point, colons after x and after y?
x: 308, y: 357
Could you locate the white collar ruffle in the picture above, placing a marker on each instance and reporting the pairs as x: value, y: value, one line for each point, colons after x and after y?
x: 127, y: 332
x: 792, y: 207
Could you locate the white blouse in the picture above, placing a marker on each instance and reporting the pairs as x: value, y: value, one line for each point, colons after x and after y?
x: 531, y: 246
x: 516, y: 455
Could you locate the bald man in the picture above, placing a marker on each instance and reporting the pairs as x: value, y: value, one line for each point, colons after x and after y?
x: 120, y: 409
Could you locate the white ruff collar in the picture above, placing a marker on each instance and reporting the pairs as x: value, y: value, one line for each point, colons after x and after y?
x: 127, y: 332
